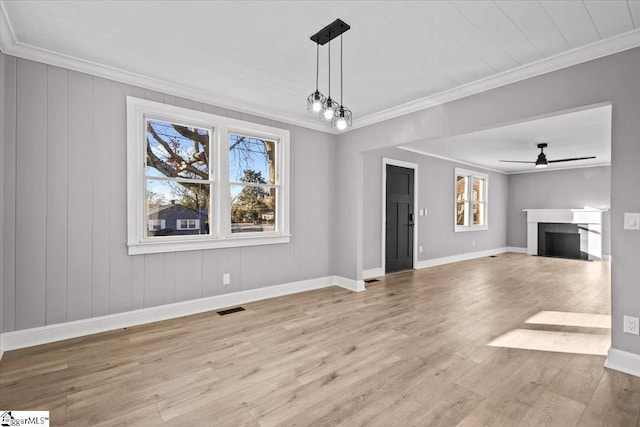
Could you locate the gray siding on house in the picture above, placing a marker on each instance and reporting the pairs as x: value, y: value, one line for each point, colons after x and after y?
x: 571, y: 188
x: 435, y: 193
x: 64, y: 253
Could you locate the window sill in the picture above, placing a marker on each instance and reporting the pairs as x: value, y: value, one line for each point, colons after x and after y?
x: 197, y: 245
x: 462, y: 228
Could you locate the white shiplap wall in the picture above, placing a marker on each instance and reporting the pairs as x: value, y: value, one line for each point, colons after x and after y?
x: 64, y: 207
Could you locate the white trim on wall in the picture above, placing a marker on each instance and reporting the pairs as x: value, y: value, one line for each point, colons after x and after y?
x: 623, y: 361
x: 79, y: 328
x: 373, y: 272
x: 516, y: 249
x: 460, y: 257
x: 400, y: 163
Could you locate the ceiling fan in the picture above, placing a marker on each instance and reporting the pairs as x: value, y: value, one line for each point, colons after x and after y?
x: 542, y: 161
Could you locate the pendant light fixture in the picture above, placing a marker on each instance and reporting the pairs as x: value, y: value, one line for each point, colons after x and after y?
x: 337, y: 114
x: 315, y: 101
x: 342, y: 117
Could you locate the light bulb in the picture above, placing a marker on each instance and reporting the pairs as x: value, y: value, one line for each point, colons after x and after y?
x: 541, y: 165
x: 341, y: 124
x: 317, y: 106
x: 328, y: 113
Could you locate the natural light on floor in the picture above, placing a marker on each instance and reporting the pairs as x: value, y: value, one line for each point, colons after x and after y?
x: 558, y: 341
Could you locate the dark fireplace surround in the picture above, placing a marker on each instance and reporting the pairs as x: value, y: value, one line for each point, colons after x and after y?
x: 563, y: 240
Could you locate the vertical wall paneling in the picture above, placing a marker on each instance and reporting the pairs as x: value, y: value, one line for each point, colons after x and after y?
x: 229, y: 262
x: 80, y: 196
x: 154, y: 279
x: 188, y: 275
x: 69, y: 209
x: 56, y: 273
x: 101, y: 194
x: 31, y: 181
x: 137, y: 281
x: 119, y: 260
x: 210, y: 273
x: 169, y: 290
x: 256, y: 268
x: 9, y: 197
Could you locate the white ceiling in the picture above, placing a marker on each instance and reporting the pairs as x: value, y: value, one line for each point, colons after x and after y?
x: 576, y: 134
x: 399, y: 57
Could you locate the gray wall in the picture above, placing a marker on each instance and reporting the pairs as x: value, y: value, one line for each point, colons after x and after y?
x: 64, y: 206
x: 611, y: 79
x: 570, y: 188
x: 2, y: 208
x: 436, y: 194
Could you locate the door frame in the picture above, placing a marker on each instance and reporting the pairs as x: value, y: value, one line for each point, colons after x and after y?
x: 401, y: 163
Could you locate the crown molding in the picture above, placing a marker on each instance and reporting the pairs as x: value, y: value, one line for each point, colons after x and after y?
x: 599, y: 49
x: 450, y: 159
x: 11, y: 46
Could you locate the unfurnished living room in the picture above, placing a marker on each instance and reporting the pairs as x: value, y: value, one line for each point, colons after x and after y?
x: 272, y: 213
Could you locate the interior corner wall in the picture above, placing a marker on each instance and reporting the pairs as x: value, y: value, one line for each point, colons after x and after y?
x: 569, y: 188
x: 611, y: 79
x: 2, y: 205
x: 436, y: 232
x: 64, y: 243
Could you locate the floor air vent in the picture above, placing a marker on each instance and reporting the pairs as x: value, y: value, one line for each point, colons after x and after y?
x: 371, y: 281
x: 230, y: 310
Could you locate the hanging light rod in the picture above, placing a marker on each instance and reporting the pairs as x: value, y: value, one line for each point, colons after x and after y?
x: 330, y: 32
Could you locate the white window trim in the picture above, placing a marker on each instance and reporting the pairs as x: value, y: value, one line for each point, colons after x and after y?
x: 471, y: 174
x: 138, y: 110
x: 196, y: 227
x: 161, y: 221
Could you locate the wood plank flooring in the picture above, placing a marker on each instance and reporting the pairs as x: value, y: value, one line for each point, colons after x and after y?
x: 412, y: 350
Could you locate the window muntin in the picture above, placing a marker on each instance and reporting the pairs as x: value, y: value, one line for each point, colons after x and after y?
x: 470, y: 200
x: 183, y: 165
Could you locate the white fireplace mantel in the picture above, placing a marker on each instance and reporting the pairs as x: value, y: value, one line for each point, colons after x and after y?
x: 588, y: 216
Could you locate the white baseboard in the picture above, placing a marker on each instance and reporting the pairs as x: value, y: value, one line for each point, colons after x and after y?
x: 78, y: 328
x: 623, y: 361
x: 350, y: 284
x: 516, y: 249
x: 460, y: 257
x: 606, y: 257
x: 372, y: 272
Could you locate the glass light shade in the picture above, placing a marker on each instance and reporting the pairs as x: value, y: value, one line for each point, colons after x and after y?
x: 342, y: 118
x: 315, y: 102
x: 541, y: 165
x: 329, y: 110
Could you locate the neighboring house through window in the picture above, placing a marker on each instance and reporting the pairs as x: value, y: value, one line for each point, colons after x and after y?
x: 202, y: 181
x: 470, y: 212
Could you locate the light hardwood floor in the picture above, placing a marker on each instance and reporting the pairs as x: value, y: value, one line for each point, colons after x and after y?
x: 411, y: 350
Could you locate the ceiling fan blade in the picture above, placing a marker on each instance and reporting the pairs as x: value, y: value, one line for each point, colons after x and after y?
x: 572, y: 159
x: 515, y: 161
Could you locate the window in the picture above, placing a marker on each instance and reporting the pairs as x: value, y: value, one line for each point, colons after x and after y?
x: 470, y: 200
x: 187, y: 224
x: 202, y: 181
x: 156, y: 224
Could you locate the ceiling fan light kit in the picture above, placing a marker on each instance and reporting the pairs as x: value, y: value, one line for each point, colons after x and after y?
x: 542, y: 162
x: 327, y: 108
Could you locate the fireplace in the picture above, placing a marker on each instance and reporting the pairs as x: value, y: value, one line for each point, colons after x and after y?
x: 567, y: 233
x: 563, y: 240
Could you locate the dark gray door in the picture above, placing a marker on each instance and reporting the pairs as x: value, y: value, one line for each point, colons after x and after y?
x: 399, y: 226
